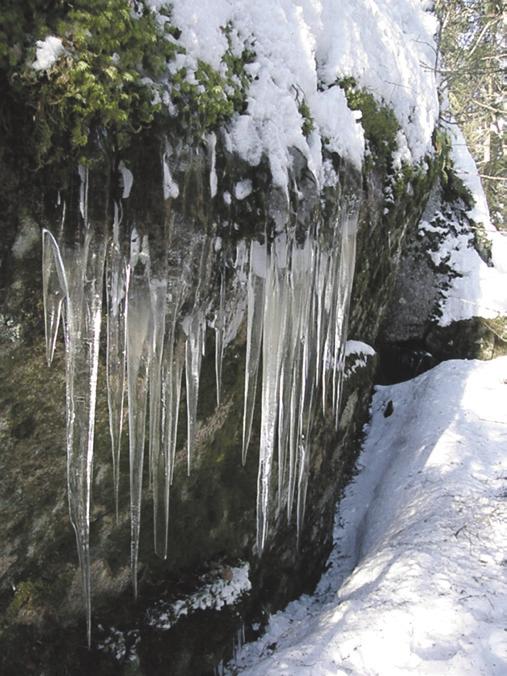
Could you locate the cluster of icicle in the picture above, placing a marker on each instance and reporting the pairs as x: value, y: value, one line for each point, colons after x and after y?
x: 296, y: 295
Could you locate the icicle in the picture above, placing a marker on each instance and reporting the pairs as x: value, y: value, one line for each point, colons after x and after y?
x: 117, y: 273
x: 256, y: 298
x: 293, y: 437
x: 302, y: 288
x: 275, y: 316
x: 345, y: 280
x: 179, y: 362
x: 212, y: 146
x: 305, y: 421
x: 82, y: 270
x: 219, y: 337
x: 83, y: 193
x: 195, y: 329
x: 173, y: 372
x: 158, y: 292
x: 139, y: 354
x: 53, y: 285
x: 173, y: 363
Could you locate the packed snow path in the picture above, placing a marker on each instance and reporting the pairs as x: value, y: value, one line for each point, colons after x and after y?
x: 417, y: 582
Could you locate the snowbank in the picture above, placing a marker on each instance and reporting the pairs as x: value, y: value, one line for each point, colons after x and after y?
x: 302, y: 48
x: 479, y: 290
x: 417, y: 581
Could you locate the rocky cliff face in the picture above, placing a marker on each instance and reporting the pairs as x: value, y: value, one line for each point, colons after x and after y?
x: 212, y: 526
x: 240, y: 213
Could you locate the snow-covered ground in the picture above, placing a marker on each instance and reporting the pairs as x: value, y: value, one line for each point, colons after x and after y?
x: 417, y: 581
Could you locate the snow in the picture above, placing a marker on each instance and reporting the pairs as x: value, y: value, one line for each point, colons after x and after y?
x: 416, y: 582
x: 359, y: 348
x: 214, y: 595
x: 48, y: 51
x: 466, y: 170
x: 127, y: 178
x: 242, y: 189
x: 302, y: 48
x: 357, y: 356
x: 479, y: 289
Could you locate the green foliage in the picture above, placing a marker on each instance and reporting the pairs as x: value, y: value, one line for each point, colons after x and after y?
x: 26, y: 599
x: 214, y: 97
x: 110, y: 79
x: 470, y: 61
x: 452, y: 186
x: 308, y: 124
x: 379, y: 122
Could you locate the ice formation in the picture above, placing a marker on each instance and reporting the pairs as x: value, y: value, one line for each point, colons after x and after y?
x: 73, y: 272
x: 292, y: 283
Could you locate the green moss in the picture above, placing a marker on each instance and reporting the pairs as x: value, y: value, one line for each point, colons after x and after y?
x: 27, y: 599
x: 308, y: 123
x: 98, y: 85
x: 110, y: 80
x: 379, y: 122
x: 208, y: 98
x: 453, y: 188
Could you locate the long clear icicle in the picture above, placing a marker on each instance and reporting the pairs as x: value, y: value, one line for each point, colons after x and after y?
x: 194, y: 326
x: 173, y: 373
x: 158, y: 290
x: 80, y: 272
x: 195, y: 329
x: 219, y: 337
x: 139, y: 355
x: 275, y: 314
x: 117, y: 274
x: 346, y: 278
x: 300, y: 300
x: 255, y: 320
x: 85, y: 272
x: 52, y: 291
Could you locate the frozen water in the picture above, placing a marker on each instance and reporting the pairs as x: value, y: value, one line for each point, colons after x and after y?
x: 75, y: 274
x: 117, y: 275
x: 139, y: 354
x: 256, y: 292
x: 296, y: 289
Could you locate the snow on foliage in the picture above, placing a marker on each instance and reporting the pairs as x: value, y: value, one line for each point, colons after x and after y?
x: 48, y: 52
x: 476, y: 289
x: 302, y: 49
x: 416, y: 583
x: 215, y: 595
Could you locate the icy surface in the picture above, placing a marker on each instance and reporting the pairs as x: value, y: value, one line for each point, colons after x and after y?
x: 416, y: 582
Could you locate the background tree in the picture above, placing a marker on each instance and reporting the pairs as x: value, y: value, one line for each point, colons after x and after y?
x: 471, y: 61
